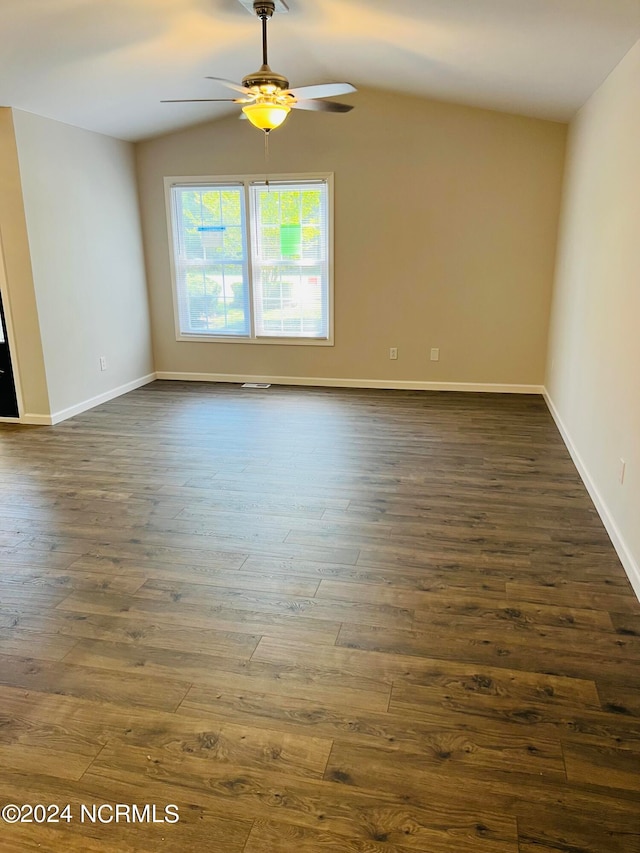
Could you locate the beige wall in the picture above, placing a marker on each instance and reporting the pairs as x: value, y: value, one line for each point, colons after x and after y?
x: 446, y: 223
x: 83, y: 225
x: 16, y: 279
x: 594, y: 353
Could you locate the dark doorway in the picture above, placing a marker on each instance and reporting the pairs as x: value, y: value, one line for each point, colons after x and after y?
x: 8, y: 399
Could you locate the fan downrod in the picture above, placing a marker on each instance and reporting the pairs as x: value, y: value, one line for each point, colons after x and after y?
x: 265, y: 78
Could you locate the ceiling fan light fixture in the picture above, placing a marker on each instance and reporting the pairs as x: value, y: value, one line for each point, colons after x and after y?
x: 266, y: 95
x: 265, y: 115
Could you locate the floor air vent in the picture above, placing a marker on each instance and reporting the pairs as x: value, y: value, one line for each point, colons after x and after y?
x: 257, y: 385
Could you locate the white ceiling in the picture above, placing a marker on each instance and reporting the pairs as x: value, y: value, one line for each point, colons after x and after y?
x: 106, y: 64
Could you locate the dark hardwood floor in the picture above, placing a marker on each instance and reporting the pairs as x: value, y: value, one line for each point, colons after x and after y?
x: 315, y: 620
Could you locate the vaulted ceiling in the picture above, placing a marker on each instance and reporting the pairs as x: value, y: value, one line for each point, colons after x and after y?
x: 106, y: 64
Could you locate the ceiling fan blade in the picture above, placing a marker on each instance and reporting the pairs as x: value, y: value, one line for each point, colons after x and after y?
x: 229, y: 84
x: 322, y: 106
x: 323, y: 90
x: 201, y: 101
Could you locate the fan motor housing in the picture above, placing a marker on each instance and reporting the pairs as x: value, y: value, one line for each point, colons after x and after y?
x: 265, y: 77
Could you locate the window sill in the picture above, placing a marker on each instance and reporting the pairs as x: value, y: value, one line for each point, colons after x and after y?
x: 266, y: 341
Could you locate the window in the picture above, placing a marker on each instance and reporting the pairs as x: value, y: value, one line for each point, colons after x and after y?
x: 252, y: 260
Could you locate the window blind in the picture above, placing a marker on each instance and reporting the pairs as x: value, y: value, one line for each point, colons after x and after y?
x: 290, y: 258
x: 210, y: 260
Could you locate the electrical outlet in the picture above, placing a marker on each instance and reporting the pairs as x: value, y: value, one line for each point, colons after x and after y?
x: 103, y: 362
x: 435, y: 354
x: 622, y: 471
x: 393, y: 353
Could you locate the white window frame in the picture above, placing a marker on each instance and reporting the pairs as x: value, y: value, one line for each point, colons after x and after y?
x: 246, y: 181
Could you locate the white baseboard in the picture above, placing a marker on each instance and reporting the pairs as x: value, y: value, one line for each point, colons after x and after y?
x: 627, y: 559
x: 31, y: 420
x: 64, y: 414
x: 384, y: 384
x: 36, y: 420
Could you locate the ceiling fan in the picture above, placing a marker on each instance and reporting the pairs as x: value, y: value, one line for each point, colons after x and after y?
x: 266, y: 96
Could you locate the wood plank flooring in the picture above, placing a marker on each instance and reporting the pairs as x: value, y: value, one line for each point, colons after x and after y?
x: 315, y: 620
